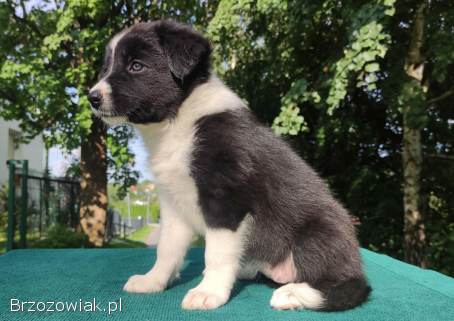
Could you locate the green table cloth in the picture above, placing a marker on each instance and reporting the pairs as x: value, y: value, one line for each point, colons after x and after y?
x: 90, y: 281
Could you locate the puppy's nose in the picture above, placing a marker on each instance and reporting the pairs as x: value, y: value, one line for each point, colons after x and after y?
x: 95, y: 99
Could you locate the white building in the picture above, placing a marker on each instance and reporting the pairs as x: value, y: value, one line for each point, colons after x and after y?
x: 34, y: 151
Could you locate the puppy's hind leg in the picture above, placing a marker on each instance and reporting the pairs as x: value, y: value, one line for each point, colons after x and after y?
x: 332, y: 280
x: 295, y: 296
x: 291, y: 295
x: 249, y: 270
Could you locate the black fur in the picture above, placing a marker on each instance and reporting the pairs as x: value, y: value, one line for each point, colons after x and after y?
x: 344, y: 294
x: 185, y: 49
x: 241, y: 167
x: 176, y: 60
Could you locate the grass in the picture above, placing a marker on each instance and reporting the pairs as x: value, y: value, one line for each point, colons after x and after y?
x: 3, y: 231
x: 135, y: 240
x: 139, y: 195
x: 123, y: 244
x: 31, y: 238
x: 141, y: 234
x: 136, y: 210
x: 198, y: 241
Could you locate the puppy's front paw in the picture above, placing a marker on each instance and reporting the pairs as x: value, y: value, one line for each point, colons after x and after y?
x: 143, y: 284
x: 200, y: 299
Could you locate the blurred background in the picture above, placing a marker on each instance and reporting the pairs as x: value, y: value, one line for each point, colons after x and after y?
x: 364, y: 90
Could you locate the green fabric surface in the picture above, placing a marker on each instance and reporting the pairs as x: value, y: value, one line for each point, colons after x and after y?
x: 400, y: 291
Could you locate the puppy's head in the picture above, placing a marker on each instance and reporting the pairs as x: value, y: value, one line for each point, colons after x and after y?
x: 149, y: 69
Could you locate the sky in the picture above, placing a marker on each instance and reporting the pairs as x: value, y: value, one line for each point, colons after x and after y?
x: 59, y: 161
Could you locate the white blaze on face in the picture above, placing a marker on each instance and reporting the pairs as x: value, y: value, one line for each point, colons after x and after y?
x: 106, y: 110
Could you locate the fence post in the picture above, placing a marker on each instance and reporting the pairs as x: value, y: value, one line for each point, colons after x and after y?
x: 24, y: 205
x: 11, y: 205
x: 72, y: 207
x: 46, y: 196
x: 40, y: 208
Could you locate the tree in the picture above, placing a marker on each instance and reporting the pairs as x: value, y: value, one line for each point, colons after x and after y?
x: 331, y: 75
x: 423, y: 98
x: 414, y: 230
x: 50, y: 54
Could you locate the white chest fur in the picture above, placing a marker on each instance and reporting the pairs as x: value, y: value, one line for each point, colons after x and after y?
x: 170, y: 145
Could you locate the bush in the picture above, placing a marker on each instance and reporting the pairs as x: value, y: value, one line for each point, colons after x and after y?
x: 60, y: 236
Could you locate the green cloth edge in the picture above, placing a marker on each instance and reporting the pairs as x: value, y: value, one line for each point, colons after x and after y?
x: 427, y: 278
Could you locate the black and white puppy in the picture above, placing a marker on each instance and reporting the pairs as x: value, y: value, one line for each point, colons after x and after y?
x: 223, y: 175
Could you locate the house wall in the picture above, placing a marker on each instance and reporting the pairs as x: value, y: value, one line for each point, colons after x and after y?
x: 34, y: 151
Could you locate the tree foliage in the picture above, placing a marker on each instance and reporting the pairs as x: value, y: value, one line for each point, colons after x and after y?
x: 50, y: 54
x: 328, y: 74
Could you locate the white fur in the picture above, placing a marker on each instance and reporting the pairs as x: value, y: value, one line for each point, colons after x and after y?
x: 222, y: 261
x: 295, y: 296
x: 106, y: 90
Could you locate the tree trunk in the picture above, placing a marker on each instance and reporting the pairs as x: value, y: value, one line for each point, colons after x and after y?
x: 414, y: 229
x: 93, y: 198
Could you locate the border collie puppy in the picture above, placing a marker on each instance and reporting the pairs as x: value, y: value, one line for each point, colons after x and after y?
x: 223, y: 175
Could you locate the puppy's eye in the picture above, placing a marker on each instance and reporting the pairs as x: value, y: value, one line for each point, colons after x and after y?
x: 136, y: 66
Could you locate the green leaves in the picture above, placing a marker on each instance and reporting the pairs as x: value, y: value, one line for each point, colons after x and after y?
x: 289, y: 121
x: 373, y: 67
x: 369, y: 42
x: 330, y: 73
x: 121, y: 159
x: 49, y: 57
x: 326, y: 72
x: 390, y: 9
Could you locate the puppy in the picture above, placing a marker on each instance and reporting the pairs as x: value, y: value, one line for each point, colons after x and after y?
x: 223, y: 175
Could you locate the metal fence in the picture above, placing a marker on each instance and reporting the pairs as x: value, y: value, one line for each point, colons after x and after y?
x: 37, y: 202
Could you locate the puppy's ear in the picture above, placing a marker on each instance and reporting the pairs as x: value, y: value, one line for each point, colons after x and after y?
x: 184, y: 48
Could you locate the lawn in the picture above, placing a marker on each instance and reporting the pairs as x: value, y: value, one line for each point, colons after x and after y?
x: 141, y: 234
x: 118, y: 243
x: 138, y: 200
x: 2, y: 244
x: 136, y: 209
x: 135, y: 240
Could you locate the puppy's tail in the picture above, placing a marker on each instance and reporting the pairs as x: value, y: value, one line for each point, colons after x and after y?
x: 343, y: 295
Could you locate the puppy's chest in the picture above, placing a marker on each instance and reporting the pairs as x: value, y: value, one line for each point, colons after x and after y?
x: 171, y: 160
x: 171, y: 165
